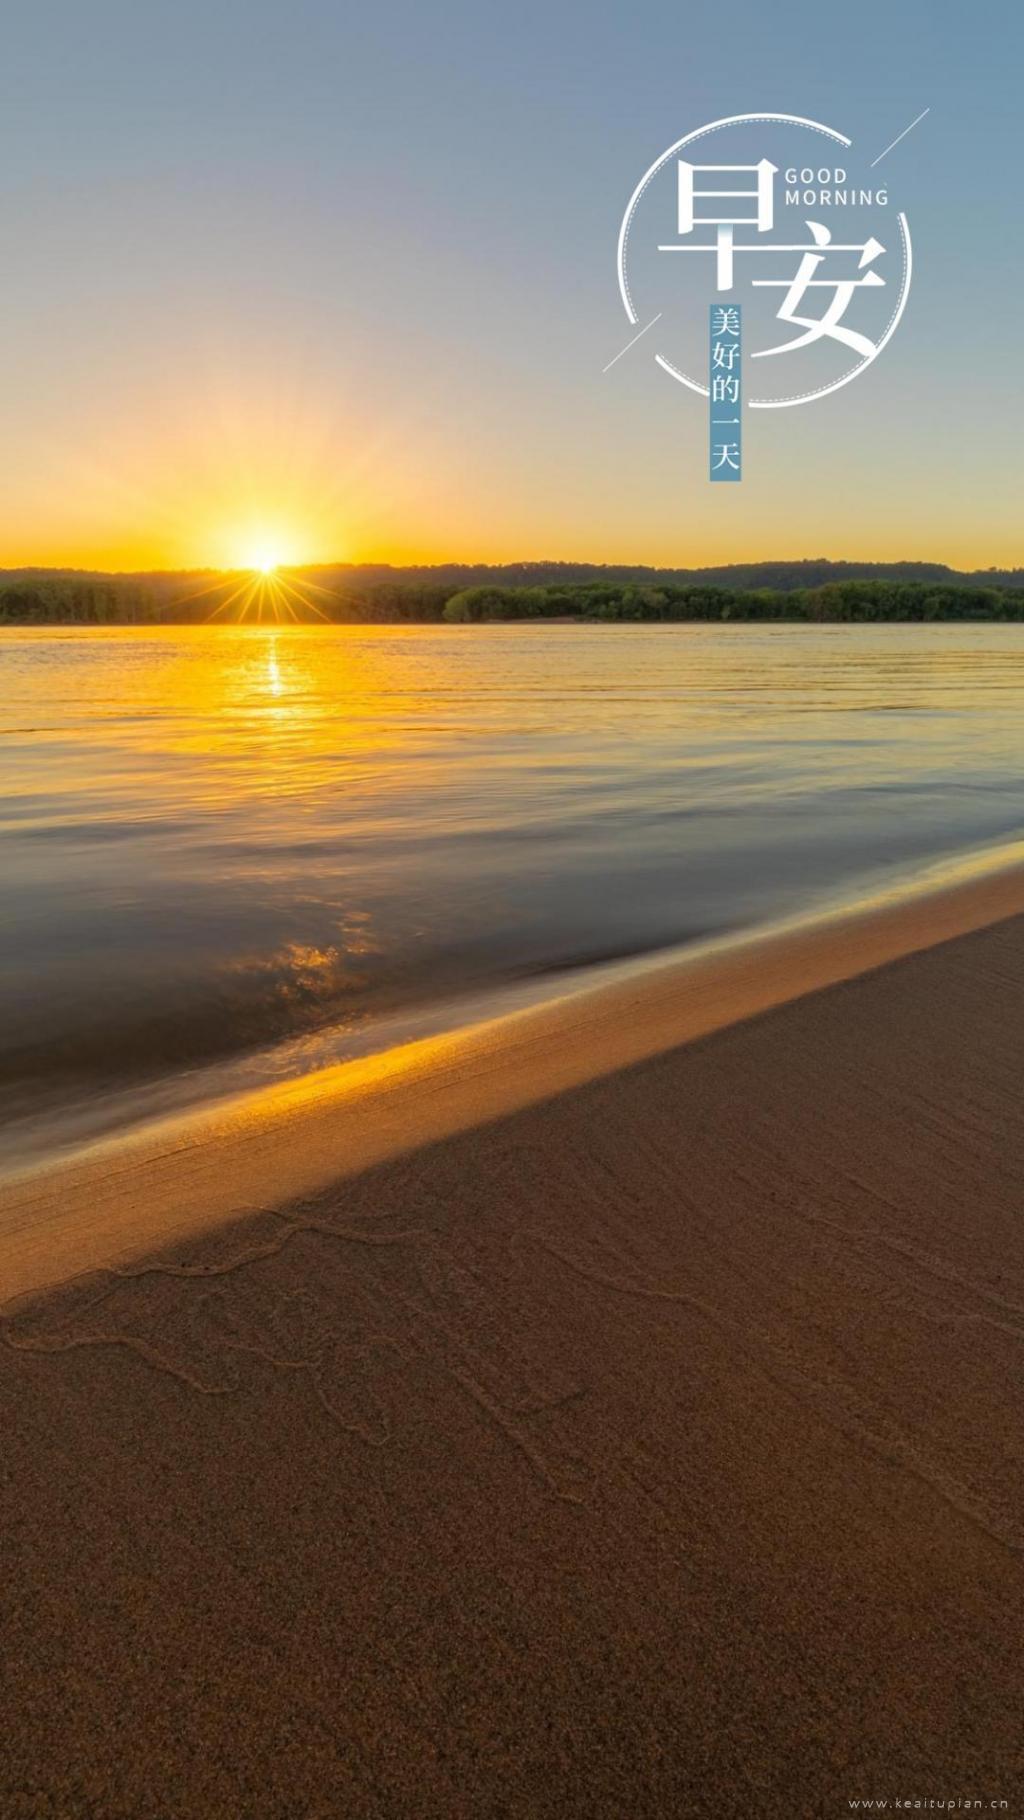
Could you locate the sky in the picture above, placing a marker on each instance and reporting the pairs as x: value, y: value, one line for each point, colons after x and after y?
x: 316, y: 282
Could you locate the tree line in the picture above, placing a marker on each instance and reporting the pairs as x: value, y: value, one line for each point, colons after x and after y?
x: 840, y: 601
x: 375, y: 594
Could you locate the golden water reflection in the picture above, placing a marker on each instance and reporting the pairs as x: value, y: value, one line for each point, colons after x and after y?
x: 218, y: 838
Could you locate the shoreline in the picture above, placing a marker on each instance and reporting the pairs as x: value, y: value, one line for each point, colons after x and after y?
x: 163, y: 1181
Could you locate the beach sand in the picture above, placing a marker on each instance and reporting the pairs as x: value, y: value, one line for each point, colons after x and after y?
x: 654, y: 1449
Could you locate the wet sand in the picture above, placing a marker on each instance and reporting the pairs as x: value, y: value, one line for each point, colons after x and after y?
x: 654, y: 1449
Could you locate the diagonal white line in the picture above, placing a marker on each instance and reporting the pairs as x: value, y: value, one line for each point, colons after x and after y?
x: 636, y: 337
x: 897, y: 139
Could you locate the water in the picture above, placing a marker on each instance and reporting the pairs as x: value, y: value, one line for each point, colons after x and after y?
x: 243, y: 849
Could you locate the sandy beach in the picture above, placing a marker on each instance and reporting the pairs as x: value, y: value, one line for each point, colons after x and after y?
x: 649, y: 1449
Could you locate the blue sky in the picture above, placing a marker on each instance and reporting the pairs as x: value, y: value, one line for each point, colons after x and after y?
x: 348, y: 273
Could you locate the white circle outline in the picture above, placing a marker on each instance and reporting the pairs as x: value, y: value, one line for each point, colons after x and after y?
x: 713, y: 126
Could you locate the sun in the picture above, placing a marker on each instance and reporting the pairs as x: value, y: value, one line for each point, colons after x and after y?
x: 261, y: 545
x: 266, y: 583
x: 264, y: 560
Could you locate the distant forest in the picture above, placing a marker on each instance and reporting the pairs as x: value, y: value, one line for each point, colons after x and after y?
x: 377, y: 594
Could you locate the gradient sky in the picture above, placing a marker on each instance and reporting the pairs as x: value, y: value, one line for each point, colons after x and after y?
x: 340, y: 281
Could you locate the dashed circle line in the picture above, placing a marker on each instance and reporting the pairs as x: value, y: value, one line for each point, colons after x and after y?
x: 716, y: 126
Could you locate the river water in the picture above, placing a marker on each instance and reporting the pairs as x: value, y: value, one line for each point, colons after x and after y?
x: 229, y: 853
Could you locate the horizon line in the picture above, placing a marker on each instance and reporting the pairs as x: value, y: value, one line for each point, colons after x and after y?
x: 530, y: 562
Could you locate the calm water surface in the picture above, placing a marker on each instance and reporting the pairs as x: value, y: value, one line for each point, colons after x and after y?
x: 243, y: 846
